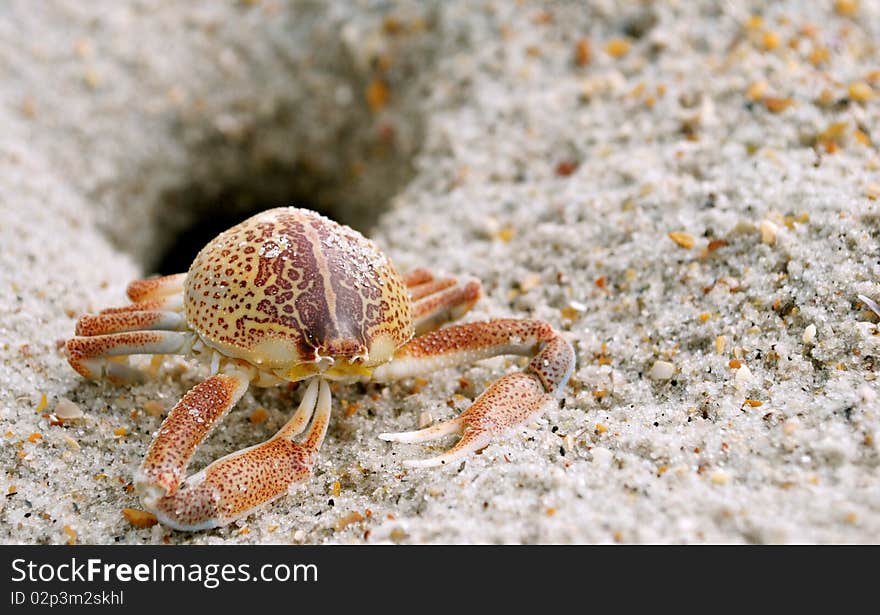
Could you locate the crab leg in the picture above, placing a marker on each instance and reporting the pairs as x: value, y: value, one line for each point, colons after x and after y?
x: 235, y: 484
x: 90, y: 355
x: 155, y: 288
x: 417, y: 276
x: 169, y: 302
x: 509, y: 401
x: 118, y: 322
x: 185, y: 427
x: 421, y: 291
x: 438, y: 308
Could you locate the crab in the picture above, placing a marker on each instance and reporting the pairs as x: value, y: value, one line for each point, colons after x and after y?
x: 289, y: 295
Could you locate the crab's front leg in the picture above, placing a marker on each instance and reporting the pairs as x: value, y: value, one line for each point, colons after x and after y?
x: 509, y: 401
x: 234, y: 485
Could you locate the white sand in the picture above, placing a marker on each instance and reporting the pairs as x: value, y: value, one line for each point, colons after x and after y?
x: 554, y: 183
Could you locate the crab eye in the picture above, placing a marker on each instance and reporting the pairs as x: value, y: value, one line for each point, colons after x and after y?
x: 310, y: 338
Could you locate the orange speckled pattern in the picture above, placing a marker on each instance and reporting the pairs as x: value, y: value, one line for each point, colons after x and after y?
x: 289, y: 286
x: 553, y: 365
x: 116, y: 322
x: 477, y: 336
x: 188, y: 423
x: 508, y: 401
x: 170, y: 302
x: 81, y: 349
x: 234, y: 485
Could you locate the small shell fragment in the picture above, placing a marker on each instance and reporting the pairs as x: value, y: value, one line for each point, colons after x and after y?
x: 684, y: 240
x: 574, y: 310
x: 352, y: 517
x: 872, y: 305
x: 66, y: 410
x: 777, y: 105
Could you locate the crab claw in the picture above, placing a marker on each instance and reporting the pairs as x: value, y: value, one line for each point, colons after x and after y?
x: 509, y: 401
x: 234, y: 485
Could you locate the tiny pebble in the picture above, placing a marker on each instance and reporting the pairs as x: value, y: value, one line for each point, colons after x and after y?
x: 743, y: 377
x: 353, y: 517
x: 847, y: 8
x: 662, y: 370
x: 809, y: 334
x: 529, y: 281
x: 617, y: 47
x: 139, y: 518
x: 684, y: 240
x: 154, y: 408
x: 860, y: 91
x: 768, y: 232
x: 719, y: 477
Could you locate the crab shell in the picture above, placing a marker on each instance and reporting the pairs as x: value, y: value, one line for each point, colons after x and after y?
x: 295, y: 293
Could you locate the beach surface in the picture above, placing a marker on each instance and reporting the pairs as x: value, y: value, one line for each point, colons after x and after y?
x: 688, y: 191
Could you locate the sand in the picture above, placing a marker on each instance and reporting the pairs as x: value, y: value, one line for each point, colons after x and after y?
x: 725, y: 390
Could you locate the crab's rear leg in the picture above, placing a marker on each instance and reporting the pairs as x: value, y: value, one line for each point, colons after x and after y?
x: 92, y: 356
x: 117, y: 322
x: 509, y: 401
x: 155, y: 288
x: 417, y: 276
x: 234, y: 485
x: 153, y: 324
x: 438, y: 300
x: 448, y: 299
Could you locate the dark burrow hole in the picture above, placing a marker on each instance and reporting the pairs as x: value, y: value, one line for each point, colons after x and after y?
x: 301, y: 148
x: 187, y: 243
x: 192, y: 217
